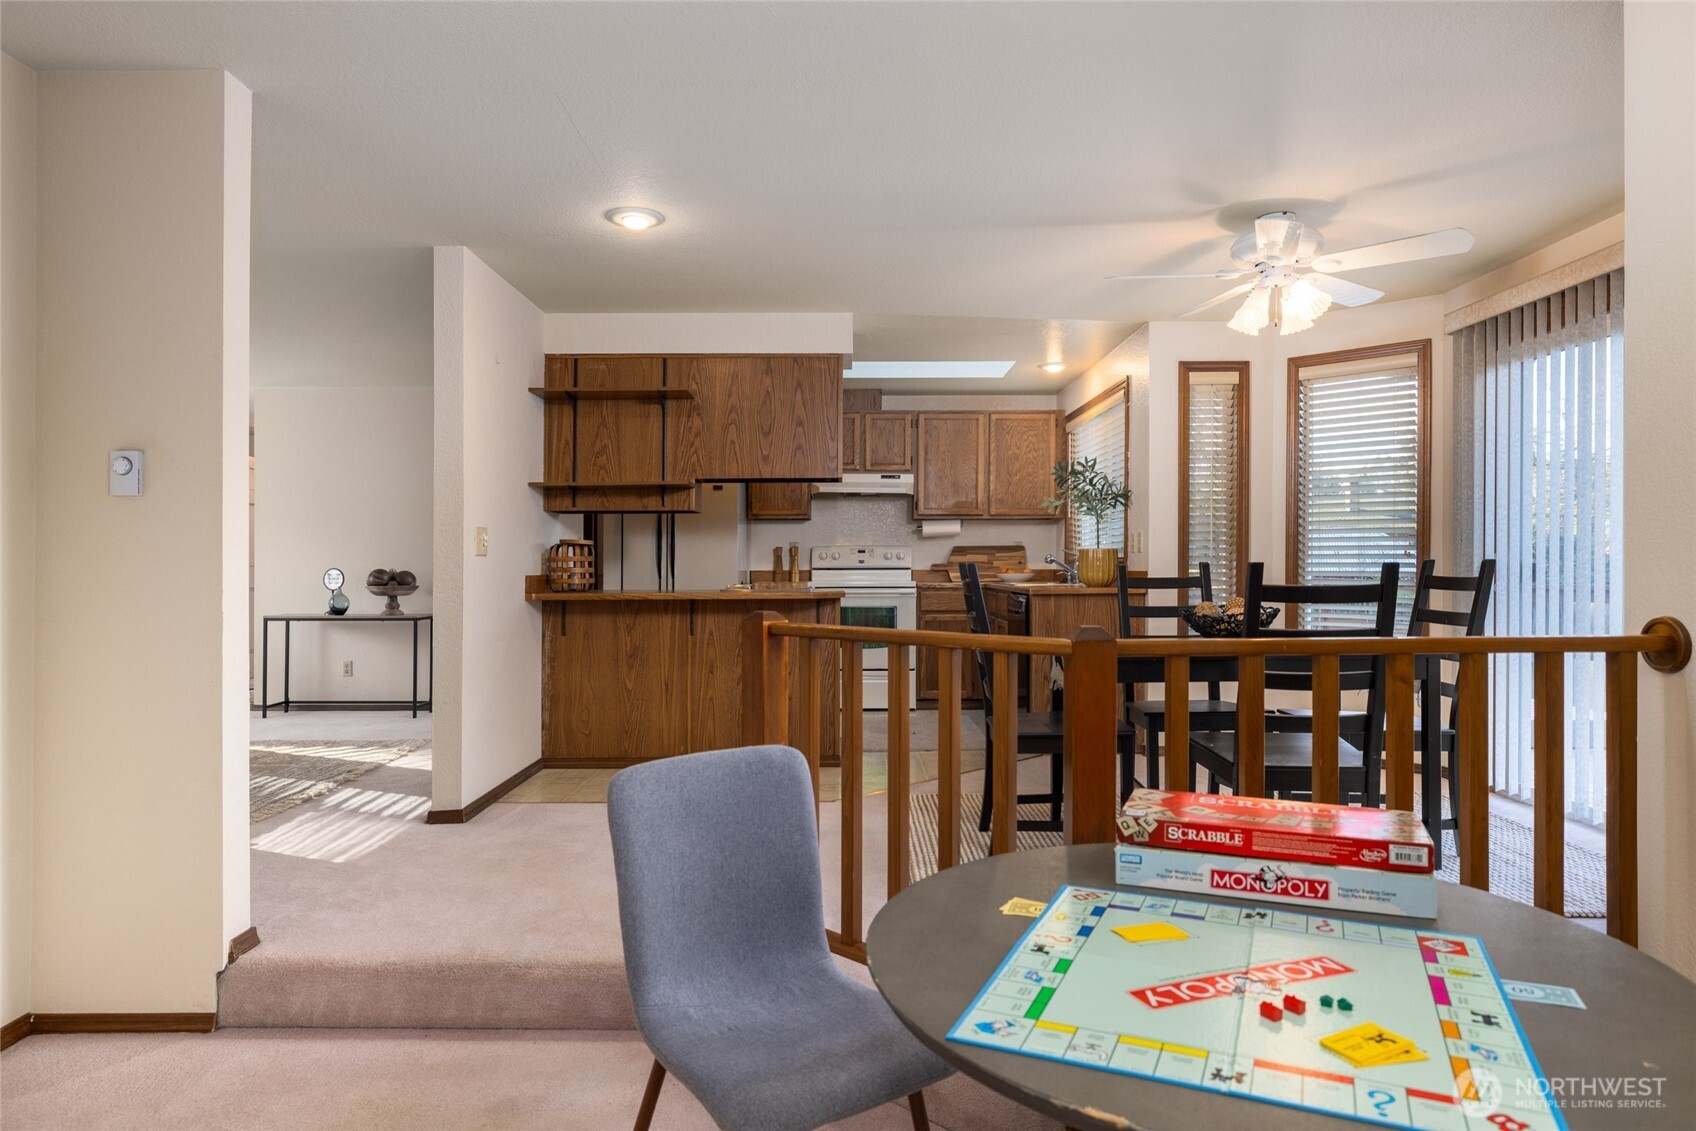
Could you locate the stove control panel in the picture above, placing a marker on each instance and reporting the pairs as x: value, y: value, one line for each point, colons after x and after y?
x: 862, y: 557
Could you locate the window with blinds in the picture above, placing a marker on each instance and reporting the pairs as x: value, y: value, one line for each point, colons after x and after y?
x: 1357, y: 459
x: 1213, y: 472
x: 1098, y: 432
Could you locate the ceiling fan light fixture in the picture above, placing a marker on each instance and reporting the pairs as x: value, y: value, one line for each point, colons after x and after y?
x: 1254, y: 314
x: 1305, y: 302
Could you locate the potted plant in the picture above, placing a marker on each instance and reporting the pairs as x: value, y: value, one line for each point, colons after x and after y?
x: 1087, y: 490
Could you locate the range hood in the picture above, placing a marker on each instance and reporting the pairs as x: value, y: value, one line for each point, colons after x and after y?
x: 868, y: 483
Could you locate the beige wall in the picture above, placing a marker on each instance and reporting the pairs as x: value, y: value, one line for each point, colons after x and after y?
x: 1660, y: 459
x: 342, y: 478
x: 17, y: 535
x: 488, y: 435
x: 141, y: 761
x: 698, y: 333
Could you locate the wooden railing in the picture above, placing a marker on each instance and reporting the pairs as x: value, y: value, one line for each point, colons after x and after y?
x: 1091, y: 727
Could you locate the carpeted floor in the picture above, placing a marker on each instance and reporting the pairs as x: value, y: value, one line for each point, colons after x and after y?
x: 283, y: 773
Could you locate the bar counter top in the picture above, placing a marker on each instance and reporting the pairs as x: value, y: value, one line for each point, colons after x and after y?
x: 536, y: 590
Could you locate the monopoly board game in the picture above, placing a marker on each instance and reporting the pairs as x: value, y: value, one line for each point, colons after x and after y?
x: 1390, y: 1025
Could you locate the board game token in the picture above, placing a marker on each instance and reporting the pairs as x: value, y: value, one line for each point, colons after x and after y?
x: 1271, y: 1012
x: 1294, y: 1004
x: 1325, y: 1001
x: 1344, y: 1005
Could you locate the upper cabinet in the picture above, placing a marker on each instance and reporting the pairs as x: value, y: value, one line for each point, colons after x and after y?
x: 888, y: 441
x: 1022, y: 454
x: 953, y: 475
x: 637, y: 433
x: 852, y: 426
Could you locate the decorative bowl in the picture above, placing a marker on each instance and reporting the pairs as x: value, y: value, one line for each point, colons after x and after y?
x: 393, y: 592
x: 1221, y: 625
x: 1025, y: 576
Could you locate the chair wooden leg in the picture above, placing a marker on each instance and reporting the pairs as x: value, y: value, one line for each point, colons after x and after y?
x: 916, y: 1104
x: 1057, y: 787
x: 651, y: 1097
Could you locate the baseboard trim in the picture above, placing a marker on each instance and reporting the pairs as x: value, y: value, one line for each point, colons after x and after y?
x: 243, y: 943
x: 14, y: 1031
x: 460, y: 816
x: 591, y: 763
x: 123, y: 1022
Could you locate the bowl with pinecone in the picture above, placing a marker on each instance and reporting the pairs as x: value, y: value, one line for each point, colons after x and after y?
x: 1224, y: 620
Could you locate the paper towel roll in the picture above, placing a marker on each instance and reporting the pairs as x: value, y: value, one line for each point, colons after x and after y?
x: 939, y: 528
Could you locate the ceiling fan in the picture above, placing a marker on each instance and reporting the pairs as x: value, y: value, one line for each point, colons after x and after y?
x: 1292, y: 280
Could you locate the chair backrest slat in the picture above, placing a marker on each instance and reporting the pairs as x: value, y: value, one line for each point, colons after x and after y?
x: 1200, y: 584
x: 1471, y: 619
x: 977, y: 619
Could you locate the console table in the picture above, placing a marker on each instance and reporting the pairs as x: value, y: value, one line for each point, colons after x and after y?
x: 289, y: 619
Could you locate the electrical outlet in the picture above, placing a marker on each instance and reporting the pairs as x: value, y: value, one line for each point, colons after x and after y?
x: 481, y: 542
x: 347, y: 667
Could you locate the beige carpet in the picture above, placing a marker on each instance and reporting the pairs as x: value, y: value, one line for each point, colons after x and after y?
x: 974, y: 844
x: 283, y: 774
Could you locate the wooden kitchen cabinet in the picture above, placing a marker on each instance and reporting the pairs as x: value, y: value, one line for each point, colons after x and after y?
x: 780, y: 500
x: 888, y: 443
x: 943, y: 609
x: 762, y: 416
x: 1023, y: 449
x: 852, y: 448
x: 953, y: 465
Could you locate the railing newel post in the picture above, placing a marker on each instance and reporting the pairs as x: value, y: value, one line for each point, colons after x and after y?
x: 765, y: 680
x: 1091, y: 721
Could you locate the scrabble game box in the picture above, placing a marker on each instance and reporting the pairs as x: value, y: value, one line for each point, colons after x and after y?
x: 1387, y: 840
x: 1327, y: 886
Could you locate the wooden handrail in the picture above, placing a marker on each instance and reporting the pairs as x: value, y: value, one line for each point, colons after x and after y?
x: 1091, y: 724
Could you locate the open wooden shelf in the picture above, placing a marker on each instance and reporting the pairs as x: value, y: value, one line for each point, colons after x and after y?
x: 586, y: 485
x: 661, y: 393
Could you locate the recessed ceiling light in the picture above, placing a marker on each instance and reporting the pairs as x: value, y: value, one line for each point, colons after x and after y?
x: 635, y: 219
x: 1054, y: 367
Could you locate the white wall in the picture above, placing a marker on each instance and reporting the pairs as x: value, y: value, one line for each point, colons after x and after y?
x: 1660, y: 459
x: 488, y: 440
x: 1597, y: 237
x: 698, y: 333
x: 342, y: 477
x: 140, y: 862
x: 17, y: 535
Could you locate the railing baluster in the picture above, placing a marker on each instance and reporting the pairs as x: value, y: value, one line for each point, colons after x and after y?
x: 1470, y: 772
x: 765, y: 681
x: 1091, y: 737
x: 1398, y: 731
x: 1622, y: 796
x: 1004, y: 790
x: 1327, y: 710
x: 1178, y: 773
x: 947, y: 758
x: 812, y: 729
x: 900, y: 772
x: 1548, y: 821
x: 1251, y: 726
x: 853, y: 788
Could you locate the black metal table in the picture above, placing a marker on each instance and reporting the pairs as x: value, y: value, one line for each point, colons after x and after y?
x: 934, y: 946
x: 288, y: 620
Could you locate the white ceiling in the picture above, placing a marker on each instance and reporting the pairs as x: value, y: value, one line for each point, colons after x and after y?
x: 958, y: 176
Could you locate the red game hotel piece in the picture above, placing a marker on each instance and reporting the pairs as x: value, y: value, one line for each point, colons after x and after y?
x: 1294, y: 1004
x: 1271, y: 1012
x: 1386, y: 840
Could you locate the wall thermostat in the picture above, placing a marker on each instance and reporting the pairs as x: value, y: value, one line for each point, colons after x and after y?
x: 125, y: 473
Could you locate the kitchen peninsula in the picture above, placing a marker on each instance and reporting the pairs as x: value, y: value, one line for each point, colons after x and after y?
x: 1047, y: 608
x: 628, y: 677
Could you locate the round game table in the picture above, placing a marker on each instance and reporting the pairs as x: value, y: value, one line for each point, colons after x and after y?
x: 932, y: 948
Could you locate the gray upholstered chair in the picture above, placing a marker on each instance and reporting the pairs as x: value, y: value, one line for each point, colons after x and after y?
x: 736, y: 991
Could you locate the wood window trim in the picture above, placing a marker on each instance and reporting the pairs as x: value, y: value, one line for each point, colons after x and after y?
x: 1088, y: 408
x: 1421, y: 349
x: 1241, y: 369
x: 1079, y: 416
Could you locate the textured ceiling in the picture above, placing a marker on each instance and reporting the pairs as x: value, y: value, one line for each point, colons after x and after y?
x: 958, y: 176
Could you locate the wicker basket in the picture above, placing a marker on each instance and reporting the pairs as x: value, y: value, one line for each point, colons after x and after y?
x: 570, y: 566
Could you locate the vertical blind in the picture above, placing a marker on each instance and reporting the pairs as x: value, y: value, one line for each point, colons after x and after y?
x: 1539, y: 439
x: 1357, y: 480
x: 1214, y: 478
x: 1099, y: 434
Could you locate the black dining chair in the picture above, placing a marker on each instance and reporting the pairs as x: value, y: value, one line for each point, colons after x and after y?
x: 1214, y: 713
x: 1037, y: 732
x: 1289, y: 753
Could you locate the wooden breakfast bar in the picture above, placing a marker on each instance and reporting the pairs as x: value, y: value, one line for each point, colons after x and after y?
x: 628, y: 677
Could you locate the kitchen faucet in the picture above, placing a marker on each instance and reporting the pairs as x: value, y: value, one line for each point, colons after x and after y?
x: 1071, y: 571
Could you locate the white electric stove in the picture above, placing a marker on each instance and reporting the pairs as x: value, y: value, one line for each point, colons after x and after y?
x: 879, y: 593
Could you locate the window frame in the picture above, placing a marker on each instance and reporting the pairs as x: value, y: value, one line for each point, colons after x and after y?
x: 1241, y: 369
x: 1120, y: 391
x: 1421, y: 349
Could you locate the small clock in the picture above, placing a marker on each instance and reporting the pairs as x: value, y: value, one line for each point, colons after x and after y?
x: 333, y: 579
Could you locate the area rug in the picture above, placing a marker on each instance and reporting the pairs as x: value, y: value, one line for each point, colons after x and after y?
x: 284, y: 774
x: 1510, y: 855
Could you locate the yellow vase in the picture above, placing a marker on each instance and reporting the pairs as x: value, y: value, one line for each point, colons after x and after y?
x: 1098, y: 569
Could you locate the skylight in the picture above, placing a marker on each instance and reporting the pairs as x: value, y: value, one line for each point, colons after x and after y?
x: 928, y: 370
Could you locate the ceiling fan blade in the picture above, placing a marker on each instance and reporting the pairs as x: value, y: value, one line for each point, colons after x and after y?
x: 1276, y: 235
x: 1431, y: 245
x: 1217, y: 299
x: 1227, y: 273
x: 1342, y: 291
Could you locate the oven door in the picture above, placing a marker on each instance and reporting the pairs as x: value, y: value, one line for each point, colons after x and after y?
x: 881, y: 608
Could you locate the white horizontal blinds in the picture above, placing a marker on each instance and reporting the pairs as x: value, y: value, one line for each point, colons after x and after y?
x: 1100, y: 434
x: 1539, y: 438
x: 1214, y: 478
x: 1357, y: 481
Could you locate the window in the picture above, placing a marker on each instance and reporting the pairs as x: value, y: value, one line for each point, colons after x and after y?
x: 1213, y: 471
x: 1097, y: 431
x: 1539, y: 443
x: 1359, y: 452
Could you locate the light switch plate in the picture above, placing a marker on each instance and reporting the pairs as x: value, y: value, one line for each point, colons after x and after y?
x: 123, y: 471
x: 481, y: 542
